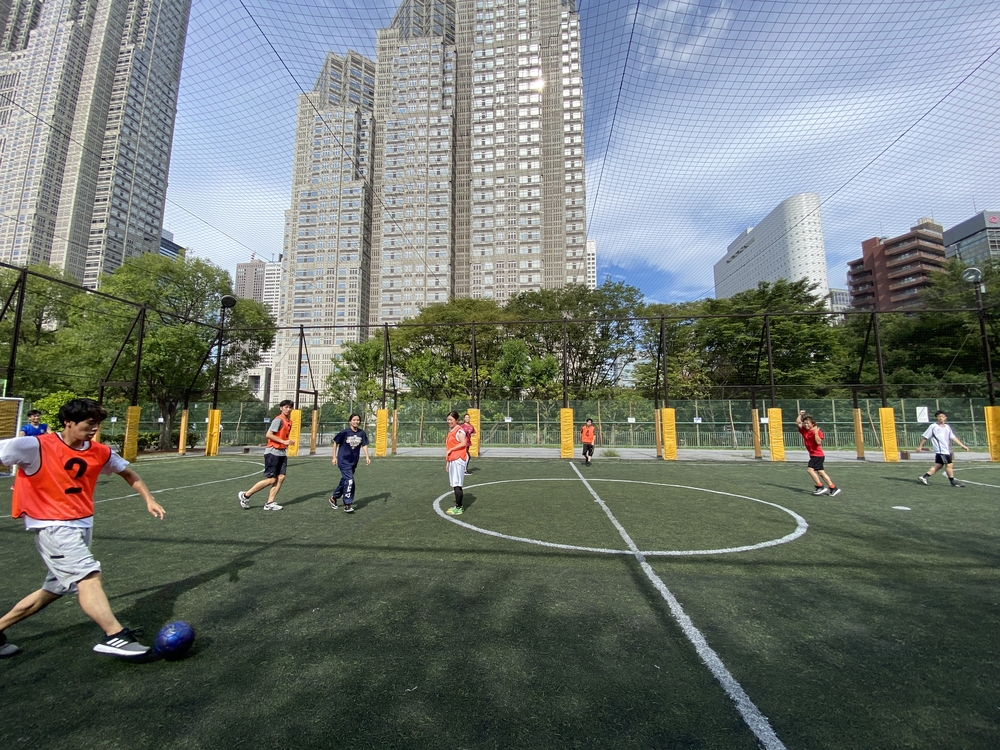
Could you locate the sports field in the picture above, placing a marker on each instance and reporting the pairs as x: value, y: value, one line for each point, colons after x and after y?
x: 645, y: 605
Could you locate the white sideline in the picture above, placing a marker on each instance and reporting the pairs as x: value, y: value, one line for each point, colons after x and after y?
x: 757, y: 722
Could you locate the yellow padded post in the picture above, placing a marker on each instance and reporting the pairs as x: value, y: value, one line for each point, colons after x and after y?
x: 887, y: 426
x: 212, y: 432
x: 182, y: 439
x: 130, y: 445
x: 381, y: 433
x: 776, y: 434
x: 566, y: 433
x: 668, y: 427
x: 993, y: 431
x: 474, y: 418
x: 295, y: 433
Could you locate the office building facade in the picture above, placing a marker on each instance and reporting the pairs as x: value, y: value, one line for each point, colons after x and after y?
x: 88, y: 94
x: 786, y: 244
x: 326, y: 268
x: 479, y: 165
x: 890, y: 273
x: 975, y: 240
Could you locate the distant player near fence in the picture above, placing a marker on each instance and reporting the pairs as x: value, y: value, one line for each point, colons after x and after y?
x: 813, y: 437
x: 456, y: 447
x: 587, y: 438
x: 941, y: 436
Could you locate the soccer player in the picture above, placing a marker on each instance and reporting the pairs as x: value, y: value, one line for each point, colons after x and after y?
x: 469, y: 432
x: 54, y: 493
x: 587, y: 438
x: 813, y: 437
x: 456, y: 459
x: 275, y: 458
x: 347, y: 446
x: 941, y: 436
x: 35, y: 426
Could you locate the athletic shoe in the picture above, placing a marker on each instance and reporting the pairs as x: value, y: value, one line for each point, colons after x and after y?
x: 7, y: 649
x: 244, y: 500
x: 957, y: 484
x: 121, y: 644
x: 835, y: 491
x: 333, y: 502
x: 348, y: 509
x: 272, y: 506
x: 821, y: 491
x: 454, y: 511
x: 922, y: 480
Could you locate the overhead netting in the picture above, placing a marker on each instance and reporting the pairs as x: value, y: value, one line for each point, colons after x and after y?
x: 700, y: 118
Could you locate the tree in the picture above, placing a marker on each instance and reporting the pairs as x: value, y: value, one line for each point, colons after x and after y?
x: 184, y: 301
x: 601, y: 335
x: 356, y: 376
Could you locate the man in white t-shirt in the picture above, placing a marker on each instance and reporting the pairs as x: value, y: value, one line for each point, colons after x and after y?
x: 941, y: 436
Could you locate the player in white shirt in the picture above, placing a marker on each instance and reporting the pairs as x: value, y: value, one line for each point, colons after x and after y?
x: 941, y: 436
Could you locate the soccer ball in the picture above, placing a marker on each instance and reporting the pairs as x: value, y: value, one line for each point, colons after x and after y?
x: 174, y: 640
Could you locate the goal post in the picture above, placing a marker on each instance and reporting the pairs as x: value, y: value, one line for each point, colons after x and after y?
x: 10, y: 423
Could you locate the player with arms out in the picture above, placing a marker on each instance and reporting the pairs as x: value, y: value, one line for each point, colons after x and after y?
x: 941, y: 436
x: 347, y: 445
x: 587, y: 438
x: 456, y: 446
x: 34, y: 426
x: 813, y: 437
x: 54, y: 493
x: 275, y: 458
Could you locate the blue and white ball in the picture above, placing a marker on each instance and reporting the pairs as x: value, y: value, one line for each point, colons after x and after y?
x: 174, y: 640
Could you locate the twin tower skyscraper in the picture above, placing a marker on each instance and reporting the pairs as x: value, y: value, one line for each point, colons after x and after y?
x: 450, y: 166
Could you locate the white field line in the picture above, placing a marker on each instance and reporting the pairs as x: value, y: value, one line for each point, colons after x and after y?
x: 800, y: 523
x: 980, y: 484
x: 191, y: 486
x: 757, y: 722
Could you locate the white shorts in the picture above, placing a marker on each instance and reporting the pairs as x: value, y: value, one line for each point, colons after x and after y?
x: 66, y: 552
x: 456, y: 471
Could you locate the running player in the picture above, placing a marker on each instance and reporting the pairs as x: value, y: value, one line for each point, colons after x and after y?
x: 54, y: 493
x: 456, y: 459
x: 347, y: 445
x: 587, y: 438
x: 813, y: 437
x: 275, y: 458
x: 941, y: 436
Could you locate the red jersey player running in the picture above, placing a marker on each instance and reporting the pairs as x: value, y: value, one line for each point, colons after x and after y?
x: 813, y: 437
x: 54, y: 492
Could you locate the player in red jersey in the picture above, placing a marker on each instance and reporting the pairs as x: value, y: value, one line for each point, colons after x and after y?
x: 54, y: 493
x: 813, y: 437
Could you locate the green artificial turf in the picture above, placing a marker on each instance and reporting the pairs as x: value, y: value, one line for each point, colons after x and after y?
x: 397, y: 628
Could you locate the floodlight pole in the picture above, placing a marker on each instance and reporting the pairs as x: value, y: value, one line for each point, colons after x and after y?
x: 986, y: 343
x: 565, y: 364
x: 770, y: 361
x: 475, y: 372
x: 878, y: 357
x: 138, y: 356
x: 228, y: 301
x: 20, y: 285
x: 663, y: 350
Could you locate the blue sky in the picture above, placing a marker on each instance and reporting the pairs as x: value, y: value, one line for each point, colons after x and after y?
x: 700, y: 117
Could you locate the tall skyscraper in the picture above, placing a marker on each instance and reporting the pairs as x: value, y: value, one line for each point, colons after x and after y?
x: 460, y: 174
x: 479, y: 153
x: 88, y: 95
x: 326, y: 267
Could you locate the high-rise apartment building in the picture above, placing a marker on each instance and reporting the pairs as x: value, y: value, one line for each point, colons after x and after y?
x: 975, y: 240
x: 325, y: 270
x: 459, y: 173
x: 590, y: 259
x: 260, y: 282
x: 891, y: 272
x: 786, y: 244
x: 479, y: 163
x: 249, y: 281
x: 88, y: 94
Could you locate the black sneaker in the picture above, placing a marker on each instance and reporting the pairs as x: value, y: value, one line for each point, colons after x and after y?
x: 348, y: 508
x: 7, y: 649
x: 333, y: 502
x: 122, y: 644
x: 957, y: 484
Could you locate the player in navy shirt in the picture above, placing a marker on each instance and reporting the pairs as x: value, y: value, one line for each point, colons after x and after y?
x: 35, y: 426
x: 347, y: 446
